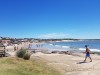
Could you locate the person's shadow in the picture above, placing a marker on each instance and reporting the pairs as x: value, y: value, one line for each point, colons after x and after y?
x: 81, y: 62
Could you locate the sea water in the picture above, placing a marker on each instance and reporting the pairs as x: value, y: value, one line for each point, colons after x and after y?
x: 94, y: 45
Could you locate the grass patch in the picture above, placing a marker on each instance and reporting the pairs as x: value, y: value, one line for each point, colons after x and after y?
x: 18, y: 66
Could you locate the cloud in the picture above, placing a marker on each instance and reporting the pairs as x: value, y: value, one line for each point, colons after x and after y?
x: 54, y: 35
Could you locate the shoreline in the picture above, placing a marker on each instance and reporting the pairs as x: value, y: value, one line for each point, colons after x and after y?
x: 41, y: 48
x: 69, y: 47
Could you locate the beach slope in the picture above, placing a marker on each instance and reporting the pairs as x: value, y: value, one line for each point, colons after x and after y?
x: 71, y: 64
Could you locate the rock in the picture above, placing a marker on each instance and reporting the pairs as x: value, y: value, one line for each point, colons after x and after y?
x: 55, y: 52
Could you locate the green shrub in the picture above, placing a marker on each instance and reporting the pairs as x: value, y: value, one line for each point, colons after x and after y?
x: 97, y: 53
x: 27, y: 56
x: 20, y: 53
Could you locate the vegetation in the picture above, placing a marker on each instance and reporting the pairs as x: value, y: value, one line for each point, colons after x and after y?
x: 21, y: 53
x: 18, y: 66
x: 27, y: 56
x: 97, y: 53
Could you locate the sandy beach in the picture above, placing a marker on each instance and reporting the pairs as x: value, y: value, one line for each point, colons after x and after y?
x: 71, y: 64
x: 12, y: 49
x: 67, y: 64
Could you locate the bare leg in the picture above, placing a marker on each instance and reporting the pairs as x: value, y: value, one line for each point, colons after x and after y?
x: 85, y: 59
x: 90, y: 59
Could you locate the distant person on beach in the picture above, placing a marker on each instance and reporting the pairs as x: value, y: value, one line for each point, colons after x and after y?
x: 29, y: 47
x: 87, y: 51
x: 17, y: 47
x: 14, y: 48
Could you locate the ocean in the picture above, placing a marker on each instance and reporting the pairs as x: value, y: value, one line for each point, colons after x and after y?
x: 94, y: 45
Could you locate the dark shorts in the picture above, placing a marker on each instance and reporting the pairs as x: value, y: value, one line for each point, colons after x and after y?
x: 87, y: 54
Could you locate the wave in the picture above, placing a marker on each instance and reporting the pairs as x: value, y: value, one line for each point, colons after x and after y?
x: 57, y: 45
x: 94, y: 50
x: 82, y: 49
x: 51, y: 44
x: 65, y: 47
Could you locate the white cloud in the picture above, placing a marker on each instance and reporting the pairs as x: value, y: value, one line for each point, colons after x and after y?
x: 54, y: 35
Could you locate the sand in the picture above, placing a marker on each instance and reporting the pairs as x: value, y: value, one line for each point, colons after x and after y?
x: 10, y: 51
x: 71, y: 64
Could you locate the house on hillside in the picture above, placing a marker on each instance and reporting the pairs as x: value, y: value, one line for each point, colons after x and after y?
x: 5, y: 41
x: 2, y: 47
x: 2, y: 50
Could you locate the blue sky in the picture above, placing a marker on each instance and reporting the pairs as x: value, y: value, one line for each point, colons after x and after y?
x: 50, y: 18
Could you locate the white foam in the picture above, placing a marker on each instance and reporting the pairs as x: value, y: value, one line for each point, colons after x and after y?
x: 94, y: 50
x: 51, y: 44
x: 82, y: 49
x: 57, y: 45
x: 65, y: 46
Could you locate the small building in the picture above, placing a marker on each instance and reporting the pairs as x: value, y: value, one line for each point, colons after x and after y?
x: 2, y: 47
x: 2, y: 50
x: 6, y: 41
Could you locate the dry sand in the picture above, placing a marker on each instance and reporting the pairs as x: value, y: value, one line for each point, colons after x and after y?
x: 10, y: 49
x: 71, y: 64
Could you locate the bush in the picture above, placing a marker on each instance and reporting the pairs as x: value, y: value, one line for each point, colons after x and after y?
x: 97, y: 53
x: 27, y: 56
x: 21, y: 53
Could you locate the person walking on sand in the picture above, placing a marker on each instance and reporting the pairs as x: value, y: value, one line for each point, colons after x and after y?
x: 87, y: 51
